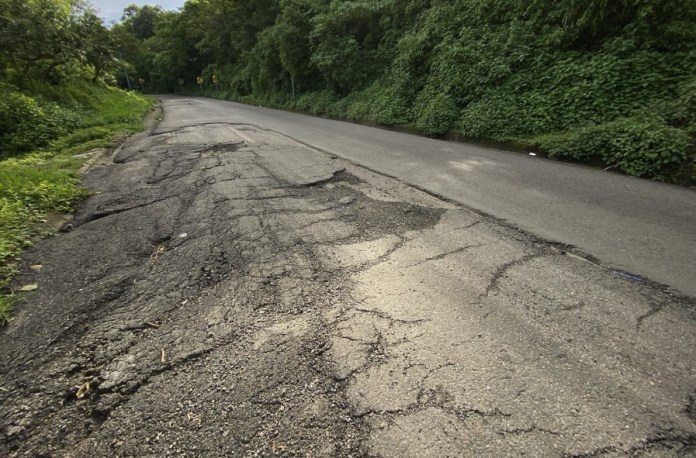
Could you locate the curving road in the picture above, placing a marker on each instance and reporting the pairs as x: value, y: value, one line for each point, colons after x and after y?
x: 635, y: 225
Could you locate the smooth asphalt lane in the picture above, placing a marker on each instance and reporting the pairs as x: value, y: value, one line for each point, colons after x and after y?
x: 639, y: 226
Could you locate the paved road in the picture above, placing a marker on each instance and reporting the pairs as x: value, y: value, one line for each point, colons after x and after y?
x: 636, y: 225
x: 228, y: 291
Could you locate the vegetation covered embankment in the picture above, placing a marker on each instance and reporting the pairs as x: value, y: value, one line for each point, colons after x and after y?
x: 53, y: 107
x: 583, y: 80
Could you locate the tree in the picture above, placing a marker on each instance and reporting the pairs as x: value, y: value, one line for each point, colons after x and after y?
x: 97, y: 43
x: 141, y: 22
x: 294, y: 26
x: 37, y: 36
x: 345, y: 42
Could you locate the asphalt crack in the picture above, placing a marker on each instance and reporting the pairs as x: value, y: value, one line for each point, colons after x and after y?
x: 682, y: 443
x: 502, y: 270
x: 440, y: 256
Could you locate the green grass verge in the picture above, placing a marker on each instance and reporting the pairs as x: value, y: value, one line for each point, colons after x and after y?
x: 46, y: 180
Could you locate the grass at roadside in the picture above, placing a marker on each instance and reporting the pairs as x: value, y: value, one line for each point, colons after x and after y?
x: 44, y: 180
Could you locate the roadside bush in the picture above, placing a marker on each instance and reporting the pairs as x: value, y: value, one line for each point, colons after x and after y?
x: 438, y: 114
x: 636, y: 146
x: 339, y: 108
x: 359, y: 108
x: 504, y: 116
x: 383, y: 105
x: 37, y: 119
x: 26, y: 123
x: 321, y: 101
x: 317, y: 103
x: 681, y: 111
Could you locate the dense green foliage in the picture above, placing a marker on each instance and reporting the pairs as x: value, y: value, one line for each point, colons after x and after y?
x: 53, y: 106
x: 551, y: 75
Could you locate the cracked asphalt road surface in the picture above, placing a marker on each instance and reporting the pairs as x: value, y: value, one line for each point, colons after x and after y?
x: 229, y: 291
x: 639, y: 226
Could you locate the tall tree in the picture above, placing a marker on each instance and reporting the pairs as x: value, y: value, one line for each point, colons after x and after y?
x: 37, y: 36
x: 97, y: 43
x: 141, y: 22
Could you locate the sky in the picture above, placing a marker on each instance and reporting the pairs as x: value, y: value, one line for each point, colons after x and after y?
x: 111, y: 10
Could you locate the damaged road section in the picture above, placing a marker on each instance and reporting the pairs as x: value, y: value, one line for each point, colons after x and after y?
x: 231, y: 292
